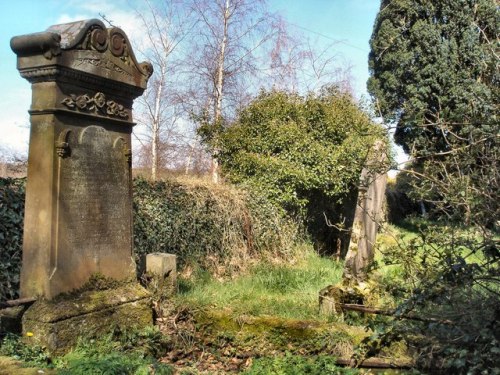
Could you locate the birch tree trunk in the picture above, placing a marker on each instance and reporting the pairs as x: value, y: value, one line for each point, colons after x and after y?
x: 219, y: 86
x: 155, y: 131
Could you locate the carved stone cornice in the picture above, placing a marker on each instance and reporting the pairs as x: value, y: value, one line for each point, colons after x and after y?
x: 60, y: 73
x: 81, y: 50
x: 46, y: 43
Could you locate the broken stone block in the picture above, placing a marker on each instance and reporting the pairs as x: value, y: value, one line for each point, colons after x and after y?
x: 58, y: 324
x: 332, y: 297
x: 163, y: 266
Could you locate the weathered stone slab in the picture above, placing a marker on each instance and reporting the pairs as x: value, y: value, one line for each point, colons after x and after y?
x: 162, y: 265
x: 10, y: 319
x: 368, y: 215
x: 78, y: 213
x: 57, y: 324
x: 93, y: 208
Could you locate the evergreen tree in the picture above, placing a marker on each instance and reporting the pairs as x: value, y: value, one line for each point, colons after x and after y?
x: 434, y: 70
x: 435, y: 76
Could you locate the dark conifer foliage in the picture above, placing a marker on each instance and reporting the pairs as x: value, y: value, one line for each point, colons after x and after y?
x: 435, y: 70
x: 435, y: 77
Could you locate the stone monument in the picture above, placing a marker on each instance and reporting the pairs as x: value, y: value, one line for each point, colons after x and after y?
x: 78, y: 218
x: 368, y: 214
x: 78, y: 214
x: 367, y: 218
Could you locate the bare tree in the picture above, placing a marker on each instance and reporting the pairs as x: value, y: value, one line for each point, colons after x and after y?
x: 224, y: 57
x: 166, y: 26
x: 300, y: 64
x: 210, y: 57
x: 322, y: 65
x: 285, y: 57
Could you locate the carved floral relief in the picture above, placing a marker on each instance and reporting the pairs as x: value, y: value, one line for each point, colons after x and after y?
x: 96, y: 104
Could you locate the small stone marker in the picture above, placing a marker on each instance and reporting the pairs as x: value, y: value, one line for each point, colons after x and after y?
x: 162, y: 265
x: 78, y: 216
x: 162, y: 271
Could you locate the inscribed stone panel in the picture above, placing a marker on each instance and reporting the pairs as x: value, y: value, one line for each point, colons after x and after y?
x: 94, y: 211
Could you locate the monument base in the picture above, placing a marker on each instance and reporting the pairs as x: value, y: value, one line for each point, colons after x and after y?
x: 58, y: 324
x: 10, y: 319
x: 332, y: 297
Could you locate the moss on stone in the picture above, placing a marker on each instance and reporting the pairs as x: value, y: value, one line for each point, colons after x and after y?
x: 9, y: 366
x: 86, y: 302
x: 96, y: 282
x: 264, y: 334
x: 60, y: 323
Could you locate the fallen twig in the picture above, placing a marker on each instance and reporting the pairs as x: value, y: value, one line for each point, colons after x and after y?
x: 17, y: 302
x: 369, y: 310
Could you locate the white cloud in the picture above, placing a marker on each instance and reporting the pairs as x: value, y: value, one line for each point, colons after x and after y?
x: 66, y: 18
x: 14, y: 126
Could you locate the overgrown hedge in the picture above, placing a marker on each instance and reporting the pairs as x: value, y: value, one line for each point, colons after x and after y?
x: 11, y: 235
x: 218, y: 228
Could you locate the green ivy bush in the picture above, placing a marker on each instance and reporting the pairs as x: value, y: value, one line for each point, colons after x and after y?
x: 216, y: 227
x: 291, y: 147
x: 305, y: 154
x: 11, y: 235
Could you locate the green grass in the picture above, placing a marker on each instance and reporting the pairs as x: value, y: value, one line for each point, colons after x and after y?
x: 293, y: 364
x: 133, y: 353
x: 281, y: 290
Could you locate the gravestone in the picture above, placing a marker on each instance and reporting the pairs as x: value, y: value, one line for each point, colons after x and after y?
x: 368, y: 214
x: 78, y: 212
x: 78, y: 215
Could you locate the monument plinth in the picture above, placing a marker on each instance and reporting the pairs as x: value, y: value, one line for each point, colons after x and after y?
x: 78, y: 215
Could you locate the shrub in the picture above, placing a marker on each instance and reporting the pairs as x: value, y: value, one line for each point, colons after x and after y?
x: 305, y: 154
x: 217, y: 227
x: 292, y: 148
x: 11, y: 235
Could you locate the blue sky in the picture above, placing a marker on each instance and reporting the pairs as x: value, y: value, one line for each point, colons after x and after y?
x: 349, y: 22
